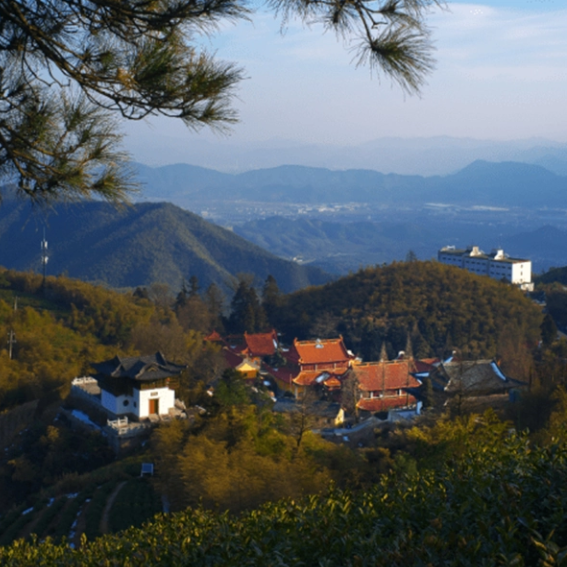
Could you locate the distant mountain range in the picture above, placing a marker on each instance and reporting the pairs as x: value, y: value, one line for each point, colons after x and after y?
x: 137, y: 245
x: 440, y: 155
x: 506, y: 184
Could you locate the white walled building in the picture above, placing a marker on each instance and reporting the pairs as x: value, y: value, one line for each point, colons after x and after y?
x: 496, y: 265
x: 137, y: 386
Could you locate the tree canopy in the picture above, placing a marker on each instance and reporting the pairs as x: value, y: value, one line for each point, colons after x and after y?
x: 70, y: 68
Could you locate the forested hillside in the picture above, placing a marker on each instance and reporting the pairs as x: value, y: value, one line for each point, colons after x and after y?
x: 137, y: 245
x: 438, y: 306
x: 471, y: 490
x: 58, y: 328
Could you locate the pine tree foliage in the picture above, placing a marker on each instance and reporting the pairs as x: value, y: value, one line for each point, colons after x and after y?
x: 246, y: 311
x: 69, y: 69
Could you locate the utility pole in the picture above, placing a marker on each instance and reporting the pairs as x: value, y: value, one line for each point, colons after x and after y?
x: 11, y: 341
x: 11, y: 334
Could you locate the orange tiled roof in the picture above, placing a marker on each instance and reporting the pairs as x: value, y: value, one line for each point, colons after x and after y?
x: 310, y: 377
x: 385, y: 375
x: 261, y: 344
x: 379, y: 404
x: 333, y: 383
x: 319, y: 351
x: 214, y: 337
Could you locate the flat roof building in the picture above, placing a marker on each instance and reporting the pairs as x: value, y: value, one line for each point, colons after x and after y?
x: 496, y: 265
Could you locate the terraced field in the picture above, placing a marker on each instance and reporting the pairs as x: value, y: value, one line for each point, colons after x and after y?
x: 99, y: 508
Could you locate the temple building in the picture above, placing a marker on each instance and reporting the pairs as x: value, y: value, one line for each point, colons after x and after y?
x: 386, y: 385
x: 137, y: 387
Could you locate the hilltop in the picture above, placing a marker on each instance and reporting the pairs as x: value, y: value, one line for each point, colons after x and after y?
x: 440, y: 307
x: 137, y: 245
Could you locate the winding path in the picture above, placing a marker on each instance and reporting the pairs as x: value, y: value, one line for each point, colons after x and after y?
x: 108, y: 507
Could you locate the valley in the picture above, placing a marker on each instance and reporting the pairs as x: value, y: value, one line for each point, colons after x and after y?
x: 342, y: 220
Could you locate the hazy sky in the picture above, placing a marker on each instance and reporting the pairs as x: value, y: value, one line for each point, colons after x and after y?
x: 501, y: 74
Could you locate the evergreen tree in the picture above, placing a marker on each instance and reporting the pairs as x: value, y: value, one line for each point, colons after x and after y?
x: 428, y: 393
x: 141, y: 293
x: 411, y: 256
x: 69, y: 69
x: 548, y: 330
x: 193, y: 286
x: 214, y: 300
x: 182, y: 296
x: 271, y: 297
x: 246, y: 313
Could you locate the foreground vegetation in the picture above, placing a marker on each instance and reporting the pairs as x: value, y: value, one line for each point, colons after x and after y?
x: 492, y: 498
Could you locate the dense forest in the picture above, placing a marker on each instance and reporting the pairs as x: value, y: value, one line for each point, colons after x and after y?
x: 440, y: 307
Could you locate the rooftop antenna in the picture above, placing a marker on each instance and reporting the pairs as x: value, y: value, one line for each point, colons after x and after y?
x: 44, y: 257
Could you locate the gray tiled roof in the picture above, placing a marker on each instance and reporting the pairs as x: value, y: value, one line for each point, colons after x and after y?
x: 139, y: 368
x: 476, y: 377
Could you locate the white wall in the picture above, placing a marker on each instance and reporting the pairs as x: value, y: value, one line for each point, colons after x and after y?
x: 139, y: 402
x: 165, y: 396
x: 522, y: 272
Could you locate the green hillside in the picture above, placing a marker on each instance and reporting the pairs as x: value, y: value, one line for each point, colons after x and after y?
x: 439, y: 306
x: 137, y: 245
x: 553, y: 275
x: 339, y: 247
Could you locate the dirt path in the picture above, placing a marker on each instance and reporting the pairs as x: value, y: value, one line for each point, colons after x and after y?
x: 108, y: 507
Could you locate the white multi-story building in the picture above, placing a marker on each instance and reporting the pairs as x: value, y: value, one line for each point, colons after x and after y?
x: 496, y: 265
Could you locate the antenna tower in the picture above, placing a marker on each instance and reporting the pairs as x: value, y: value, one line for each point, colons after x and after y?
x: 44, y: 257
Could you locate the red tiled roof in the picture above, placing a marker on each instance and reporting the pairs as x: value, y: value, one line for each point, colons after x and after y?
x: 319, y: 351
x: 385, y: 375
x: 283, y: 374
x: 379, y: 404
x: 261, y: 344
